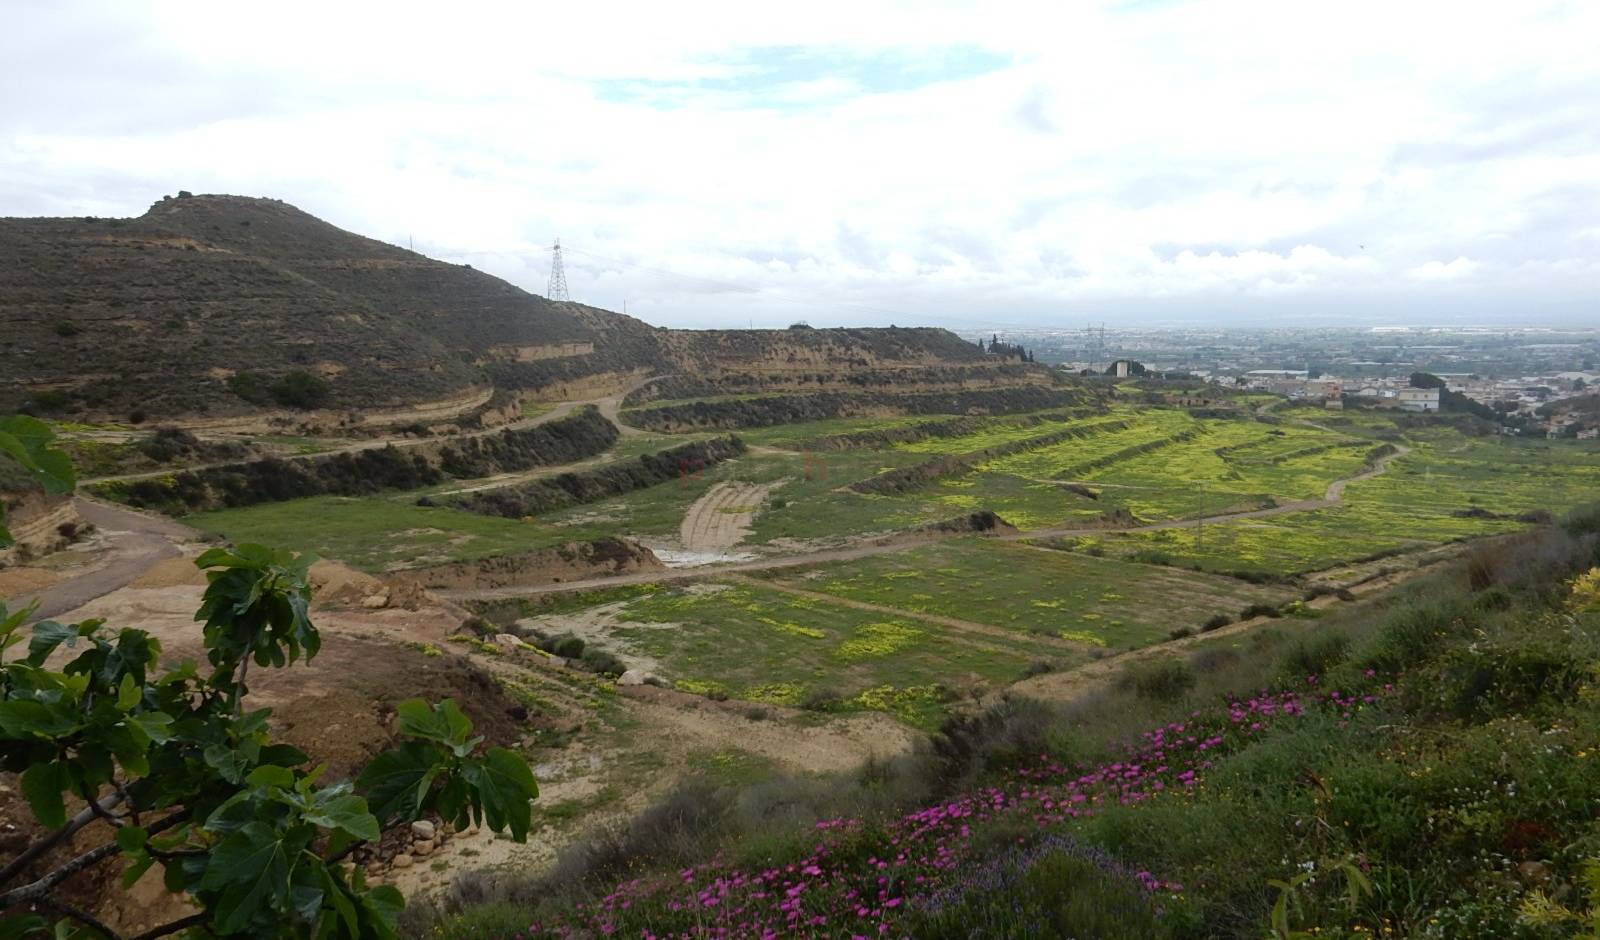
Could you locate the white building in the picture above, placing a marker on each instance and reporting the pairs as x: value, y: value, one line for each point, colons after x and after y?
x: 1418, y: 399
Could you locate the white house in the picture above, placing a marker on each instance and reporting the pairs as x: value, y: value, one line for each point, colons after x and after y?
x: 1418, y: 399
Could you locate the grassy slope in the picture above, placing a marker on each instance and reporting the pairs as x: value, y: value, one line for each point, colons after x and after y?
x: 1444, y: 750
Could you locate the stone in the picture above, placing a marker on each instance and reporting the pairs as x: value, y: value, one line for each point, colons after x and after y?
x: 402, y: 861
x: 422, y: 848
x: 375, y: 601
x: 509, y: 641
x: 423, y: 829
x: 633, y: 677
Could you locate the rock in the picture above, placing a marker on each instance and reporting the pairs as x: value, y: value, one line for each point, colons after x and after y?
x: 422, y: 848
x: 375, y: 601
x: 1533, y: 872
x: 422, y: 829
x: 633, y: 677
x: 402, y: 861
x: 509, y: 641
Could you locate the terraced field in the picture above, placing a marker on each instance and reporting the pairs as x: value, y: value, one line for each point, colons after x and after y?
x: 1448, y: 487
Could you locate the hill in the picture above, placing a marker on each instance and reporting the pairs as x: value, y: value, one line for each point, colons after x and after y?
x: 204, y: 304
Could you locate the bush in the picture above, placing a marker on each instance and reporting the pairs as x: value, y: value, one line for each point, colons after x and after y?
x: 301, y: 389
x: 1314, y: 655
x: 1179, y: 633
x: 566, y: 646
x: 66, y: 328
x: 1259, y: 610
x: 477, y: 626
x: 250, y: 386
x: 1216, y: 622
x: 1163, y: 679
x: 604, y: 662
x: 1056, y: 889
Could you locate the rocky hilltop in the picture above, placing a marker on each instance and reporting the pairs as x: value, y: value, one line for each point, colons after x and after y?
x: 225, y: 305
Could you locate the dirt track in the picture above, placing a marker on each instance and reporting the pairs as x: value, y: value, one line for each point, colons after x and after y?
x: 132, y: 542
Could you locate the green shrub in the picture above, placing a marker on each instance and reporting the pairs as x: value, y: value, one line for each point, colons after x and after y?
x: 301, y: 389
x: 1314, y: 655
x: 1410, y: 633
x: 1215, y: 622
x: 1067, y: 892
x: 566, y: 646
x: 1259, y: 610
x: 1163, y: 679
x: 250, y: 386
x: 603, y: 662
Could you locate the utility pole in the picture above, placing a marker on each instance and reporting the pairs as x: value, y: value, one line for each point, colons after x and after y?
x: 558, y: 275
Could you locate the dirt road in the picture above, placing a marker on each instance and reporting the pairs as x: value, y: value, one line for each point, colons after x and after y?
x: 1334, y: 494
x: 131, y: 542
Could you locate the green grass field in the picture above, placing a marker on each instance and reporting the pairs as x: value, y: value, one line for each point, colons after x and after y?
x: 755, y: 642
x: 1102, y: 602
x: 376, y: 533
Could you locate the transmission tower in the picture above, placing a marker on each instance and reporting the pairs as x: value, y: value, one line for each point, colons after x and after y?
x: 558, y: 275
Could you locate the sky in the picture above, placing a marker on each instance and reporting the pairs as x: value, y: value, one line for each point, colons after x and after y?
x: 988, y: 164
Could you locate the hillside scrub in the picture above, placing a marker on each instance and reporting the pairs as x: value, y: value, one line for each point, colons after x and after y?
x: 1432, y: 779
x: 770, y: 410
x: 571, y: 489
x: 356, y: 473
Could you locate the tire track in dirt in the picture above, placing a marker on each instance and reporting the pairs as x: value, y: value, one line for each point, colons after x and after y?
x: 721, y: 518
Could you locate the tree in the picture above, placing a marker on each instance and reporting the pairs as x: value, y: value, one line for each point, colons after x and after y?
x: 186, y: 778
x: 1426, y: 380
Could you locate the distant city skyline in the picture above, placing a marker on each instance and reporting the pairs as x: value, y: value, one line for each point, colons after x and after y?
x: 1012, y: 165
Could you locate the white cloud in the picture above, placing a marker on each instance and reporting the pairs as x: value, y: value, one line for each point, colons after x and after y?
x: 861, y: 162
x: 1441, y: 271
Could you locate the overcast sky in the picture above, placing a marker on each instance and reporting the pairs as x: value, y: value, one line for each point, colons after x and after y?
x: 1140, y: 162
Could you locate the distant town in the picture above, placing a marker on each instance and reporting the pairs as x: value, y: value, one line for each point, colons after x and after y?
x: 1527, y: 381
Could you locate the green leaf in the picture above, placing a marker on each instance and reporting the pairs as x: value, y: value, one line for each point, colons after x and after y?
x: 396, y: 781
x: 157, y: 726
x: 386, y: 902
x: 444, y: 723
x: 132, y: 839
x: 347, y: 812
x: 129, y: 692
x: 28, y: 441
x: 42, y: 784
x: 47, y: 635
x: 251, y: 867
x: 22, y: 925
x: 505, y: 785
x: 226, y: 761
x: 268, y: 775
x: 21, y: 718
